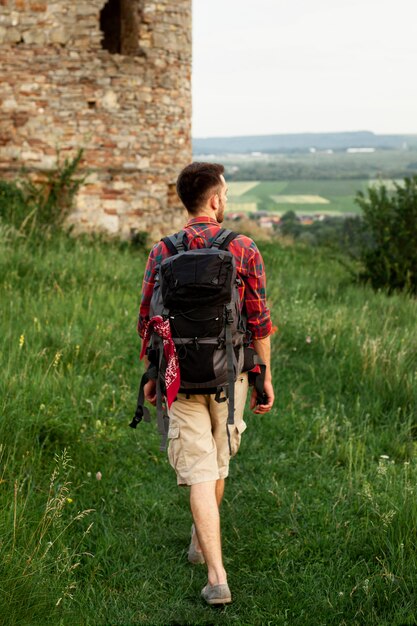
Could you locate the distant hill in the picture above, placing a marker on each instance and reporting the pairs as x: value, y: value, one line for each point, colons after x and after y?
x: 301, y: 142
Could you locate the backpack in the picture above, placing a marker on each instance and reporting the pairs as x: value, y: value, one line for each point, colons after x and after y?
x: 198, y: 292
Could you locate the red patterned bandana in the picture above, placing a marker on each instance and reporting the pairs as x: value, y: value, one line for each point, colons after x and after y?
x: 172, y: 373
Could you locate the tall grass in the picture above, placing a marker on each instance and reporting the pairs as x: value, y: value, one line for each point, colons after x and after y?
x: 320, y: 511
x: 39, y: 555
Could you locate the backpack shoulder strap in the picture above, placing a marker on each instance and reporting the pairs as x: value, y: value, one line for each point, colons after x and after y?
x: 224, y: 237
x: 175, y: 243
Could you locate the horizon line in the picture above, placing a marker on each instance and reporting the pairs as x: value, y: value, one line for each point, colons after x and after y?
x: 335, y: 132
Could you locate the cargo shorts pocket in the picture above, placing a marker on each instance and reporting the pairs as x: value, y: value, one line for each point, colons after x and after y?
x: 175, y: 453
x: 236, y: 436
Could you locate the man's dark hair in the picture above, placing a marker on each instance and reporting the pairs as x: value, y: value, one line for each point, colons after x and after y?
x: 195, y: 183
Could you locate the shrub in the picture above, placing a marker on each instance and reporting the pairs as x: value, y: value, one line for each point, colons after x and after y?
x: 389, y: 254
x: 41, y: 206
x: 339, y: 233
x: 290, y: 225
x: 13, y: 205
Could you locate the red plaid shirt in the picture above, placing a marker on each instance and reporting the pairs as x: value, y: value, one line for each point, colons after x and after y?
x: 249, y: 265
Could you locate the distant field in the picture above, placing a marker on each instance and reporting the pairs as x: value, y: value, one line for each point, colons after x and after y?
x: 297, y: 199
x: 244, y: 207
x: 239, y: 188
x: 302, y: 196
x: 389, y: 184
x: 320, y: 166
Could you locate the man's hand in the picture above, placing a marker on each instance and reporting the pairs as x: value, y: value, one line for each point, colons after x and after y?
x: 263, y: 348
x: 150, y: 391
x: 263, y: 408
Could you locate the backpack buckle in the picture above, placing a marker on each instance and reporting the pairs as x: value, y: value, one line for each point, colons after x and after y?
x: 248, y: 338
x: 218, y: 397
x: 229, y: 316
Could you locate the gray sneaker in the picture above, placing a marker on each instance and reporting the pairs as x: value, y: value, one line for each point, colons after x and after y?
x: 216, y: 594
x: 194, y: 556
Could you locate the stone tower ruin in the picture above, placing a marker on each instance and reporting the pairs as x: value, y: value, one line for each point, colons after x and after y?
x: 111, y: 77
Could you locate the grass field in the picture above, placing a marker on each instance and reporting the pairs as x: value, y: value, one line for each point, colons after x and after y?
x: 320, y: 512
x: 333, y: 196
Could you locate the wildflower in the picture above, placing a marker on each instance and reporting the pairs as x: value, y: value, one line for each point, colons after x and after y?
x: 77, y: 350
x: 57, y: 359
x: 383, y: 456
x: 98, y: 475
x: 381, y: 469
x: 367, y: 492
x: 387, y: 518
x: 89, y: 474
x: 308, y: 339
x: 69, y: 500
x: 21, y: 341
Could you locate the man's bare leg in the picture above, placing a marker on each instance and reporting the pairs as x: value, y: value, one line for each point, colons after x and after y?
x: 220, y: 483
x: 205, y: 510
x: 219, y: 491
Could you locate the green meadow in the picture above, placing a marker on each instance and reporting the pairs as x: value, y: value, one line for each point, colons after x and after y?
x: 320, y: 512
x: 332, y: 197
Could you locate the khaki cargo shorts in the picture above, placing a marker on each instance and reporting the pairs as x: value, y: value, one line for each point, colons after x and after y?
x: 198, y: 448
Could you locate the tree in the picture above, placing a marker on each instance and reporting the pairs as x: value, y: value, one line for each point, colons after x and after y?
x: 389, y: 252
x: 290, y: 224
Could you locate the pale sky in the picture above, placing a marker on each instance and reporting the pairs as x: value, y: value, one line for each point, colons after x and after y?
x: 289, y: 66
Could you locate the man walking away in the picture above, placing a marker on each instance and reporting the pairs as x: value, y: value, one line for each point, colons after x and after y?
x: 200, y: 444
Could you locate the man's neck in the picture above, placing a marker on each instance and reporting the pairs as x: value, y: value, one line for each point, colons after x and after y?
x: 203, y: 213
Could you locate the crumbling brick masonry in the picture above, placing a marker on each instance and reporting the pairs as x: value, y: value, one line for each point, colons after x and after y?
x: 111, y: 77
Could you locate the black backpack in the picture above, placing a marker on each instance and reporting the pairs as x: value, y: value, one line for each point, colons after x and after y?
x: 197, y: 290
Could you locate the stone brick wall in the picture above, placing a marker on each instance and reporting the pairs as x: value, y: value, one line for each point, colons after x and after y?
x: 130, y: 110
